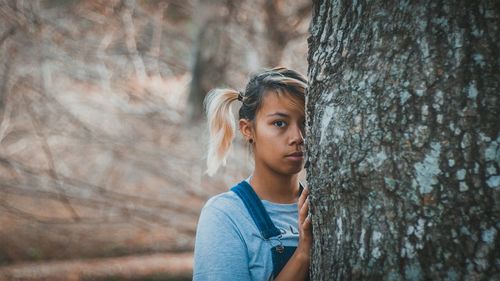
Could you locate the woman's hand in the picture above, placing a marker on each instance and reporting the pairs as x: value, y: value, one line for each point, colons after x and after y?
x: 297, y: 268
x: 305, y: 227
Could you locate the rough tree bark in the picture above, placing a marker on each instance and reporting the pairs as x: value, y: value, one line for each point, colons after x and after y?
x: 403, y: 126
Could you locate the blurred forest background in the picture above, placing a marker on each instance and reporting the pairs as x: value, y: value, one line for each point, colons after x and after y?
x: 102, y: 133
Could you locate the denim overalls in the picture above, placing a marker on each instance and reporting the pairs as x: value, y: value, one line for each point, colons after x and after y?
x: 280, y: 254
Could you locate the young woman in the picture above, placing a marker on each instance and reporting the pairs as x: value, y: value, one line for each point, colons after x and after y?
x: 259, y: 230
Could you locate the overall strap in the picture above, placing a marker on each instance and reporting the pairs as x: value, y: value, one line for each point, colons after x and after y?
x: 256, y: 209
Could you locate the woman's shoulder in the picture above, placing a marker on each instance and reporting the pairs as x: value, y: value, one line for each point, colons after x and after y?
x: 225, y: 202
x: 226, y: 209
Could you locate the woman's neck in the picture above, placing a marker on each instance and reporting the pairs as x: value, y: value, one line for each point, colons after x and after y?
x: 275, y: 187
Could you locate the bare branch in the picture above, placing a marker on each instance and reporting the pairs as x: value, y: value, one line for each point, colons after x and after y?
x: 140, y: 210
x: 140, y: 69
x: 50, y: 158
x: 156, y: 40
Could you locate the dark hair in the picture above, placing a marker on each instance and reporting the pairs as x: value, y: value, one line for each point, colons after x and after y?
x: 221, y: 122
x: 278, y: 80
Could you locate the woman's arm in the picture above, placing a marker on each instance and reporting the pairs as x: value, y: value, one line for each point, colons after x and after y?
x: 297, y: 268
x: 220, y: 253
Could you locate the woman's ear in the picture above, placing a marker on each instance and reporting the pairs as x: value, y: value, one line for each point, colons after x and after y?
x: 246, y: 128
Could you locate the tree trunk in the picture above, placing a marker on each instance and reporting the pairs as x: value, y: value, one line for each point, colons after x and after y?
x: 403, y: 126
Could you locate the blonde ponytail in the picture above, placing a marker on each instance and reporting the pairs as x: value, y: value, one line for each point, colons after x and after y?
x: 221, y: 126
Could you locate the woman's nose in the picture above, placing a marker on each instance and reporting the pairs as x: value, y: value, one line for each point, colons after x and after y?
x: 297, y: 137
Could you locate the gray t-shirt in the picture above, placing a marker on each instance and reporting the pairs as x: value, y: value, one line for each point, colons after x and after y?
x: 229, y: 245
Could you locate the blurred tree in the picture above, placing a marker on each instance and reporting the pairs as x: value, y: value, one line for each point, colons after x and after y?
x: 211, y: 51
x: 266, y: 32
x: 282, y: 20
x: 404, y: 141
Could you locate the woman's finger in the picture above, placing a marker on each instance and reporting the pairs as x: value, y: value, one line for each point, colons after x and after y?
x: 303, y: 197
x: 303, y: 211
x: 307, y: 225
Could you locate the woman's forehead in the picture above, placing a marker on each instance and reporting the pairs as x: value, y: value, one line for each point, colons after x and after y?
x: 284, y: 103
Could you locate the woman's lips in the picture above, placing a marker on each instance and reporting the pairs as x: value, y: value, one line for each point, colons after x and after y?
x: 296, y: 156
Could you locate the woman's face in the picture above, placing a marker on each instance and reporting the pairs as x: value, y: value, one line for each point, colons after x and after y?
x: 278, y: 133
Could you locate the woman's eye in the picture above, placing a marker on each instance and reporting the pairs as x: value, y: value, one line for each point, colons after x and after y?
x: 279, y: 124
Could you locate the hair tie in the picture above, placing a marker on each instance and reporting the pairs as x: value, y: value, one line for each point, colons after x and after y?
x: 240, y: 96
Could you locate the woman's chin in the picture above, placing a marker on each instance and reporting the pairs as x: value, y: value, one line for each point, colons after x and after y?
x: 294, y: 169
